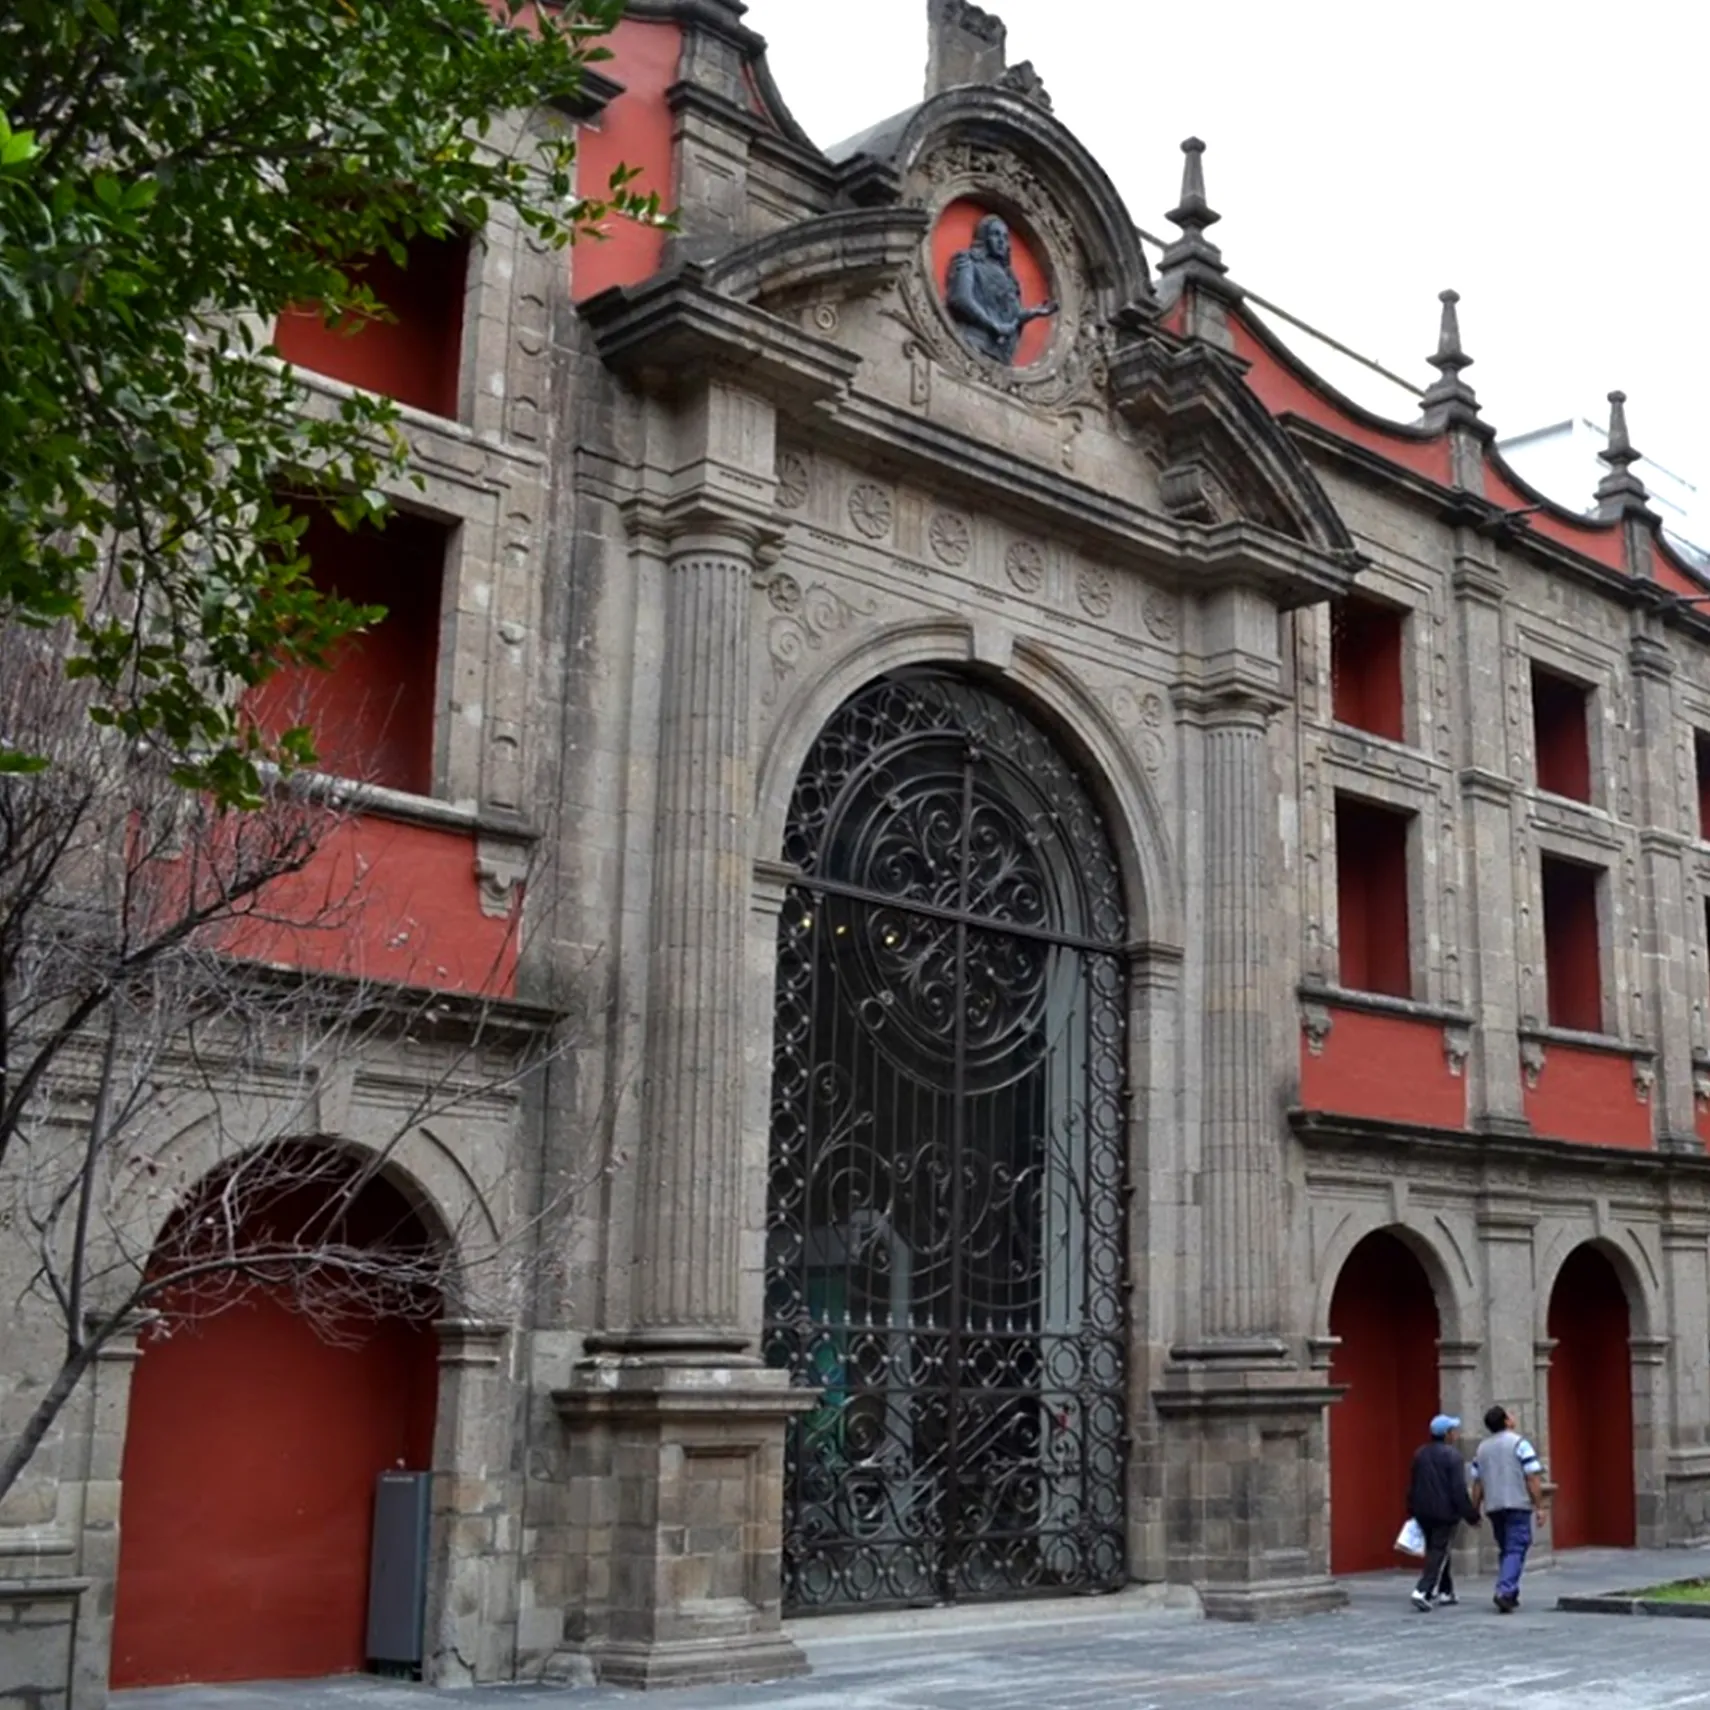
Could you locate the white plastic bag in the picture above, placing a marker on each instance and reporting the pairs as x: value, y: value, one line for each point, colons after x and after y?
x: 1410, y: 1540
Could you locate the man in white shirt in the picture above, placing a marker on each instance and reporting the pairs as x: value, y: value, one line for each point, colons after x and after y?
x: 1508, y: 1484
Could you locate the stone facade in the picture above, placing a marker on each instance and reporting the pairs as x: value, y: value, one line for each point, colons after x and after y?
x: 701, y: 510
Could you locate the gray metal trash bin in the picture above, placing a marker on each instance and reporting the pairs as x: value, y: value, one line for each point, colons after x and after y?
x: 397, y: 1572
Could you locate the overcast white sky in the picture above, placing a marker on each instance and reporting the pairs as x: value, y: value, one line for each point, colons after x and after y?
x: 1550, y: 161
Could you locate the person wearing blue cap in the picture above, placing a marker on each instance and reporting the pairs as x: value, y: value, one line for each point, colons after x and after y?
x: 1438, y: 1498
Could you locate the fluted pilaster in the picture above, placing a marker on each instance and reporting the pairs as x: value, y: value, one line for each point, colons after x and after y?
x: 686, y: 1293
x: 1241, y: 1169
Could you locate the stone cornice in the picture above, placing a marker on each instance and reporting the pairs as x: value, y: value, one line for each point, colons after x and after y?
x: 849, y: 248
x: 1190, y: 556
x: 675, y: 328
x: 802, y: 159
x: 1469, y: 1151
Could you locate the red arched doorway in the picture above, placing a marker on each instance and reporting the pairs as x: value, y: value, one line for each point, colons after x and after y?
x: 254, y: 1438
x: 1590, y: 1452
x: 1385, y: 1315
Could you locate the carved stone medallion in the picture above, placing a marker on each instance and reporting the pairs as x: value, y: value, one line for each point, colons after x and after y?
x: 950, y: 537
x: 870, y: 510
x: 1074, y: 364
x: 792, y: 480
x: 1024, y: 563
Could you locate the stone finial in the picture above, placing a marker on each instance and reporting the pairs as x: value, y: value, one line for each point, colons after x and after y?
x: 963, y: 45
x: 1620, y: 490
x: 1449, y: 397
x: 1193, y: 215
x: 1025, y: 81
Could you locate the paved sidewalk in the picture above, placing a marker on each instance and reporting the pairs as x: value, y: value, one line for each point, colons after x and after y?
x: 1376, y: 1655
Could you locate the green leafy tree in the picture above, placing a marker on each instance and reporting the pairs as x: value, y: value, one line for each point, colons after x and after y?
x: 173, y: 175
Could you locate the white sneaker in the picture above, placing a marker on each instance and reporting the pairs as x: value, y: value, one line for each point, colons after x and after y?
x: 1422, y: 1603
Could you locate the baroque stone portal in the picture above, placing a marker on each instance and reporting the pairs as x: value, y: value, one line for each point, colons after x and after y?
x: 983, y: 294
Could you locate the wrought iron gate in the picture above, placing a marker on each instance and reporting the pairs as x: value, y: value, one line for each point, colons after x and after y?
x: 946, y: 1228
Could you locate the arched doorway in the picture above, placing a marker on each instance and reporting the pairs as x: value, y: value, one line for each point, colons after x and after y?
x: 946, y: 1218
x: 261, y: 1413
x: 1590, y: 1452
x: 1385, y: 1314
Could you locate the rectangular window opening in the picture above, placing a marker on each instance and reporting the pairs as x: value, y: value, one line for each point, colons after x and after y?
x: 1573, y: 970
x: 415, y: 353
x: 1701, y: 752
x: 1365, y: 667
x: 1562, y: 731
x: 372, y: 711
x: 1372, y: 897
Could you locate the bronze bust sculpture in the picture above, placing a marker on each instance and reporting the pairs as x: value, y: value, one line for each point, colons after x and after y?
x: 983, y: 294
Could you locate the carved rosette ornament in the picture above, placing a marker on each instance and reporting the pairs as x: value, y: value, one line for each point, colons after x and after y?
x: 1075, y: 362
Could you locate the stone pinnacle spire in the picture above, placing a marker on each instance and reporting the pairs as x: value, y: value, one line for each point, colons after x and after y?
x: 1193, y: 250
x: 1620, y: 490
x: 1449, y: 397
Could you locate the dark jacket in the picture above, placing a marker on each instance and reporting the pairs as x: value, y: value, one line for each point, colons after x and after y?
x: 1437, y: 1488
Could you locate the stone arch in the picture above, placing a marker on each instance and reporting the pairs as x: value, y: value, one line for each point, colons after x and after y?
x: 1593, y: 1313
x: 1385, y: 1317
x: 260, y: 1417
x: 1453, y: 1292
x: 951, y: 1003
x: 1632, y: 1265
x: 425, y: 1170
x: 1042, y: 686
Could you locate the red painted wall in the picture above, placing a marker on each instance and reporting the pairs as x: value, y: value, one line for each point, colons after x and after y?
x: 417, y: 356
x: 1599, y: 541
x: 1588, y: 1095
x: 1572, y: 951
x: 1284, y: 392
x: 1365, y: 667
x: 251, y: 1451
x: 1371, y: 898
x: 386, y: 900
x: 1386, y: 1315
x: 1559, y: 711
x: 1590, y: 1452
x: 955, y: 231
x: 637, y: 129
x: 372, y: 710
x: 1391, y: 1067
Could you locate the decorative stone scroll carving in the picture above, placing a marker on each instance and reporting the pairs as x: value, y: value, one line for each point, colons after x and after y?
x: 1532, y: 1061
x: 1315, y: 1024
x: 501, y: 866
x: 806, y: 616
x: 1644, y: 1078
x: 1457, y: 1047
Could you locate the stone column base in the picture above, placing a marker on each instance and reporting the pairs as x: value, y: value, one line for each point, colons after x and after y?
x: 682, y: 1537
x: 1245, y: 1499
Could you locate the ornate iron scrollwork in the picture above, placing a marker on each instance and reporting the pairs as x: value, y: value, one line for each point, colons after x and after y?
x: 946, y: 1229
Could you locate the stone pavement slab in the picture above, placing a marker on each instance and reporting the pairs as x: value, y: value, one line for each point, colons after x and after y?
x: 1376, y: 1654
